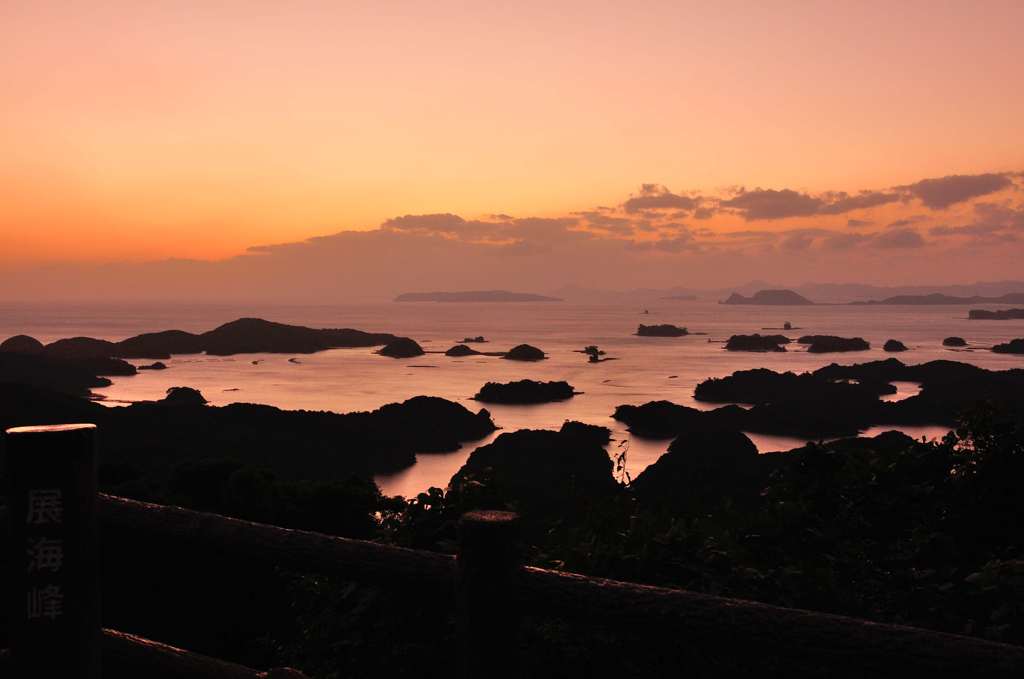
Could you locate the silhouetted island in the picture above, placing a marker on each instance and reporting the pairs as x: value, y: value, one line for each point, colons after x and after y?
x: 255, y: 335
x: 525, y: 392
x: 69, y: 376
x: 999, y: 315
x: 245, y: 335
x: 821, y: 344
x: 835, y: 400
x: 1015, y: 346
x: 403, y: 347
x: 157, y: 365
x: 939, y: 298
x: 761, y: 385
x: 524, y: 352
x: 770, y: 298
x: 475, y: 296
x: 461, y: 350
x: 152, y: 438
x: 894, y: 346
x: 954, y: 342
x: 164, y: 344
x: 22, y: 344
x: 183, y: 396
x: 757, y: 342
x: 663, y: 330
x: 545, y: 471
x: 698, y: 469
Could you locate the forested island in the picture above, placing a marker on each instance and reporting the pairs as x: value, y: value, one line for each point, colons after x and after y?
x: 242, y: 336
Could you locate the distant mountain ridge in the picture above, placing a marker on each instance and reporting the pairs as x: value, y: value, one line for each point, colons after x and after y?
x: 938, y: 298
x: 770, y: 298
x: 475, y: 296
x: 820, y: 293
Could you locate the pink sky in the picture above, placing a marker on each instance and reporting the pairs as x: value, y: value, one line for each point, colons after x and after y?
x: 137, y: 132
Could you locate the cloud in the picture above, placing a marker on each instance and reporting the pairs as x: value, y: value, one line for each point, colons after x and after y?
x: 657, y: 197
x: 942, y: 192
x: 432, y: 223
x: 899, y: 239
x: 906, y: 221
x: 653, y: 238
x: 503, y: 231
x: 751, y: 233
x: 1004, y: 215
x: 623, y: 226
x: 994, y: 223
x: 968, y: 230
x: 845, y: 241
x: 677, y: 244
x: 797, y: 242
x: 780, y: 204
x: 772, y: 204
x: 842, y: 202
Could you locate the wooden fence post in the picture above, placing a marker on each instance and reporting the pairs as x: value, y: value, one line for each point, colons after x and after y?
x: 489, y: 613
x: 53, y: 604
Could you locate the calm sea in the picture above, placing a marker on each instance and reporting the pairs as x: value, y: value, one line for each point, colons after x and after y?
x: 646, y: 369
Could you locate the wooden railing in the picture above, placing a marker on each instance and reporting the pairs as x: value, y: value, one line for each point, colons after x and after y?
x: 490, y: 588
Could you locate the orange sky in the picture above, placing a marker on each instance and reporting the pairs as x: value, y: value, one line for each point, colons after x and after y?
x: 142, y: 131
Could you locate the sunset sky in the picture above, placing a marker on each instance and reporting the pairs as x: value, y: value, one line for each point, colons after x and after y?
x: 691, y: 143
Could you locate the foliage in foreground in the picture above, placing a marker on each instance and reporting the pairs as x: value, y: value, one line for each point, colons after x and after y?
x: 889, y: 529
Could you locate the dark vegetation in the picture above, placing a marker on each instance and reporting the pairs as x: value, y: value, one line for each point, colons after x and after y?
x: 663, y: 330
x: 144, y: 443
x: 954, y: 342
x: 885, y: 528
x: 525, y: 392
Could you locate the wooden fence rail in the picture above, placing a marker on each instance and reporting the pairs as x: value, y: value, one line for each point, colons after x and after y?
x: 131, y: 657
x: 493, y: 590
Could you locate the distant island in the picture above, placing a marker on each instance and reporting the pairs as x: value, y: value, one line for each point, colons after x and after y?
x: 682, y: 298
x: 770, y: 298
x: 663, y: 330
x: 474, y: 296
x: 938, y: 298
x: 1001, y: 315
